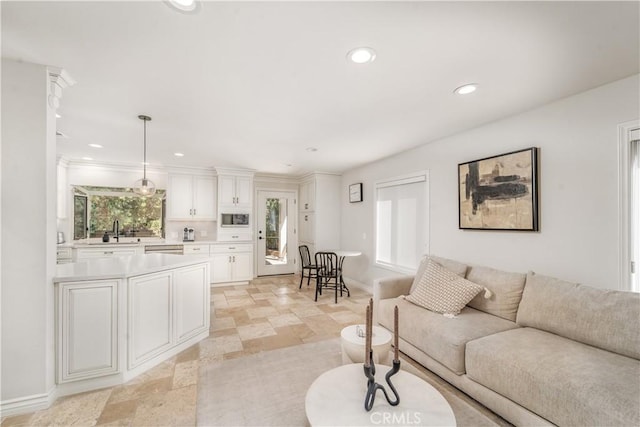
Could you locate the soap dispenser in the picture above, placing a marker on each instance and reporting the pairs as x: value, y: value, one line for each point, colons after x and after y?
x: 105, y: 237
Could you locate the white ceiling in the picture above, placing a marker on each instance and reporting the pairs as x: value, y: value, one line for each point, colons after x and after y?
x: 254, y: 84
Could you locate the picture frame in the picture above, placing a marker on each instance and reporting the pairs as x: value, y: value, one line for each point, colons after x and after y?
x: 499, y: 192
x: 355, y: 193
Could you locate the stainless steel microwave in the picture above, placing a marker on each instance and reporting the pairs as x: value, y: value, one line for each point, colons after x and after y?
x: 234, y: 220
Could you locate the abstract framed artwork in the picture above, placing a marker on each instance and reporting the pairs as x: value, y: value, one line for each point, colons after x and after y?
x: 499, y: 192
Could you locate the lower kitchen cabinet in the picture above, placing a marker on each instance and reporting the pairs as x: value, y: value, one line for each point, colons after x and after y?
x: 121, y: 327
x: 232, y: 262
x: 150, y: 306
x: 87, y: 329
x: 191, y: 315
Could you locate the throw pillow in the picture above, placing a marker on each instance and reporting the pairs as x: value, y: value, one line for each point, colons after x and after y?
x: 457, y: 267
x: 443, y: 291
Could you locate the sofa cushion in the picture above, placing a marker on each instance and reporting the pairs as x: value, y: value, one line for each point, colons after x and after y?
x: 442, y: 338
x: 442, y: 291
x: 457, y: 267
x: 599, y: 317
x: 506, y: 288
x: 564, y: 381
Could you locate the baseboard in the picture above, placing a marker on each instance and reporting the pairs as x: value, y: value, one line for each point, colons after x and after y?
x: 355, y: 284
x: 27, y: 404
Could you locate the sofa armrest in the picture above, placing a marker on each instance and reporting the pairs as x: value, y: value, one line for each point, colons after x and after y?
x: 391, y: 287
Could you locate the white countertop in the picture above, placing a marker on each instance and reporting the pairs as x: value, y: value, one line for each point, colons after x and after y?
x: 122, y: 267
x: 147, y: 243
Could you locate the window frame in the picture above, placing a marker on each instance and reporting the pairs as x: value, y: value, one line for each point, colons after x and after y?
x: 624, y: 204
x: 410, y: 178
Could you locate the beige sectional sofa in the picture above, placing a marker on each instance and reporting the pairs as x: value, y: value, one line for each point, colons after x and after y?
x: 539, y: 351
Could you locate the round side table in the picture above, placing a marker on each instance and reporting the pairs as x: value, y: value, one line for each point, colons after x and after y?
x: 353, y: 345
x: 336, y: 398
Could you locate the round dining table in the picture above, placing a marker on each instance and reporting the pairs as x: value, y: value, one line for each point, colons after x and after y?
x: 342, y: 254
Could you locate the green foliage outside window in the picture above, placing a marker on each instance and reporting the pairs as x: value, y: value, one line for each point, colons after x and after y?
x: 137, y: 216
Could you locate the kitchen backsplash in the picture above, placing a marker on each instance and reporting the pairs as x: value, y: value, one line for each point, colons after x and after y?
x: 204, y: 230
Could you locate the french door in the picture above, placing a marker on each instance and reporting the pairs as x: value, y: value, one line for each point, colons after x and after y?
x: 277, y: 240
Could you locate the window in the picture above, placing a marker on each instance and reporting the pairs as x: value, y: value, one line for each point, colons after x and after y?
x: 96, y: 209
x: 402, y: 222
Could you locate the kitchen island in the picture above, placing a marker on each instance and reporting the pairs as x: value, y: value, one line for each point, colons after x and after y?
x: 118, y: 317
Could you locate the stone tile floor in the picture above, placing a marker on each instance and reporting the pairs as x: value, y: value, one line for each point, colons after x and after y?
x: 267, y: 314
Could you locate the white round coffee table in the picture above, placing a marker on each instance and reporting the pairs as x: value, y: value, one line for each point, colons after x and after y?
x: 336, y: 398
x: 353, y: 345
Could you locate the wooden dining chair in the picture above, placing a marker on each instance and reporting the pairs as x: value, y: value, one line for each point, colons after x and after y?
x: 305, y: 259
x: 329, y: 273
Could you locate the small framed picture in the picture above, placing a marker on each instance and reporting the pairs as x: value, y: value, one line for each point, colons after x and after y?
x: 355, y: 193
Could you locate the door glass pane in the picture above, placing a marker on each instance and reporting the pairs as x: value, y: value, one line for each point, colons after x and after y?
x: 276, y: 231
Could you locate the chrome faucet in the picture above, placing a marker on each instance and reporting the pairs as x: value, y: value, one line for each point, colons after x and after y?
x: 116, y: 230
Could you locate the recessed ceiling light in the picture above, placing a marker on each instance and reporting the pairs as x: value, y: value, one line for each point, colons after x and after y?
x: 87, y: 158
x: 361, y: 55
x: 58, y: 116
x: 187, y: 6
x: 466, y: 89
x: 178, y: 154
x: 95, y: 145
x: 312, y: 149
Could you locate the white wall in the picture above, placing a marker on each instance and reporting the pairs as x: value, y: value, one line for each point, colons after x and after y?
x: 28, y: 232
x: 578, y: 238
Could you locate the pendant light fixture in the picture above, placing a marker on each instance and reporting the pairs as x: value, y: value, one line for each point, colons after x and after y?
x: 144, y: 186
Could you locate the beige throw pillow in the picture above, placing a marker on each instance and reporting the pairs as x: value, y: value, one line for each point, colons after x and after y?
x: 443, y: 291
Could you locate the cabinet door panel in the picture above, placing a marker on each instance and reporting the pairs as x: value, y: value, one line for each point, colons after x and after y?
x: 243, y: 191
x: 88, y: 329
x: 192, y: 301
x: 221, y: 266
x: 180, y: 197
x: 226, y: 186
x: 242, y: 266
x: 150, y: 326
x: 204, y: 197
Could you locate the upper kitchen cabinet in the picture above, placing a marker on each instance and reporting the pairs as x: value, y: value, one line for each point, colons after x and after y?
x: 191, y: 197
x: 307, y: 195
x: 235, y: 190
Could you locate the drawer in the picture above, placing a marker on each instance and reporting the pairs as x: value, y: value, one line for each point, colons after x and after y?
x: 234, y: 235
x: 231, y: 248
x: 105, y: 253
x: 63, y: 253
x: 196, y: 249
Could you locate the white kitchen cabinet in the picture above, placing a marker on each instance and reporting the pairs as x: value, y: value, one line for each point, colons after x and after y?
x: 232, y: 263
x: 235, y: 192
x: 106, y: 252
x: 150, y: 327
x: 319, y: 211
x: 199, y: 249
x: 307, y: 196
x: 307, y: 227
x: 87, y: 329
x: 191, y: 289
x: 64, y: 255
x: 191, y: 197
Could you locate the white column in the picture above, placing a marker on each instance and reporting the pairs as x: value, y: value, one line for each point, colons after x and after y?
x: 30, y: 94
